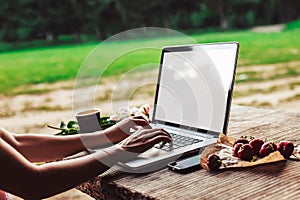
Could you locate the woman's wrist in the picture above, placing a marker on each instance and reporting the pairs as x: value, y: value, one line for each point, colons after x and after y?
x: 113, y: 136
x: 115, y: 154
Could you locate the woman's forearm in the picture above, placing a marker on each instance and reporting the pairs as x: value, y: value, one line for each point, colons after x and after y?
x: 64, y: 175
x: 42, y: 148
x: 24, y: 179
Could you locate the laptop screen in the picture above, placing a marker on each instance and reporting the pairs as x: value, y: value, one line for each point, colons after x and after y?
x: 195, y: 86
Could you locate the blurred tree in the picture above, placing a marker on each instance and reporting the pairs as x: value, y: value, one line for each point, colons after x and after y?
x: 9, y: 19
x: 220, y: 7
x: 95, y: 17
x: 49, y: 19
x: 234, y: 13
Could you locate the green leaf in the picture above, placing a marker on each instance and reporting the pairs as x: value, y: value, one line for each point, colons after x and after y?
x: 105, y: 122
x: 62, y: 125
x: 72, y: 124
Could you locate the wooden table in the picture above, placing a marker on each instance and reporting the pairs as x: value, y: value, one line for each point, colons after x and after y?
x: 271, y: 181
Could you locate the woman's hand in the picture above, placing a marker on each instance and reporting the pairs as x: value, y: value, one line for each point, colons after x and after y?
x: 125, y: 127
x: 144, y: 139
x: 138, y: 142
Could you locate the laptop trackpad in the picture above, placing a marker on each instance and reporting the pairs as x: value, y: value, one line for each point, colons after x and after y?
x: 153, y: 152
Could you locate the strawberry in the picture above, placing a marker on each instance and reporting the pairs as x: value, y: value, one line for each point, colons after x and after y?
x: 256, y: 144
x: 241, y: 140
x: 267, y: 148
x: 214, y: 162
x: 236, y: 148
x: 246, y: 152
x: 286, y: 148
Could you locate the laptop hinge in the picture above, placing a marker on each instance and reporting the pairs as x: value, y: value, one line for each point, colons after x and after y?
x: 214, y: 134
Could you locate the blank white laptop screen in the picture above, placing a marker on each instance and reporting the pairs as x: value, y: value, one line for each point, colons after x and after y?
x: 194, y: 84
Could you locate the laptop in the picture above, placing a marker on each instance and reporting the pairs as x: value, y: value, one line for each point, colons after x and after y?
x: 192, y: 101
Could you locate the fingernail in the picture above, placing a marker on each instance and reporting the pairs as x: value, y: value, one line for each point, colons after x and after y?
x: 162, y: 144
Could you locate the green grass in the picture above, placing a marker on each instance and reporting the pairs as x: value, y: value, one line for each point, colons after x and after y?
x: 261, y: 48
x: 293, y: 25
x: 40, y: 65
x: 50, y: 64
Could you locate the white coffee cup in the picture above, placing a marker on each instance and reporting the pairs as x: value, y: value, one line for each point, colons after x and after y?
x: 89, y: 120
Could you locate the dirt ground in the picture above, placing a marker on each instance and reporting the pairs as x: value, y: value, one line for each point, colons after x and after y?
x: 29, y: 113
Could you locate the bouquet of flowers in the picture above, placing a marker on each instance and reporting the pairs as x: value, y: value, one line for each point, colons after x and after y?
x: 125, y: 112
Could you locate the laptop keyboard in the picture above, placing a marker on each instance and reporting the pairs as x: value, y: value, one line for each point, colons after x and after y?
x: 178, y: 141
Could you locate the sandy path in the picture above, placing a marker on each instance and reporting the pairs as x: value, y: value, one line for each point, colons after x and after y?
x: 266, y: 84
x: 273, y: 100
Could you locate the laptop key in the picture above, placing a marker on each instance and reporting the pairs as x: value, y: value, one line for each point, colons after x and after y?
x: 178, y: 141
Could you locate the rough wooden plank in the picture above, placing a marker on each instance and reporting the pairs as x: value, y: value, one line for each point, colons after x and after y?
x: 271, y: 181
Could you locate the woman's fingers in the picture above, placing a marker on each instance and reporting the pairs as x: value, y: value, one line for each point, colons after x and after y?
x: 141, y: 122
x: 150, y: 143
x: 138, y: 117
x: 157, y: 131
x: 144, y: 139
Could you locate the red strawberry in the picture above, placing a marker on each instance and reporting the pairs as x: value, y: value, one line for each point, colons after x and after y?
x: 236, y: 148
x: 241, y: 140
x: 267, y: 148
x: 213, y: 162
x: 256, y: 144
x: 246, y: 152
x: 286, y: 148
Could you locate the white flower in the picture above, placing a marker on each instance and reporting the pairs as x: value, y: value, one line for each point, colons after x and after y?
x: 124, y: 112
